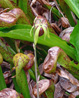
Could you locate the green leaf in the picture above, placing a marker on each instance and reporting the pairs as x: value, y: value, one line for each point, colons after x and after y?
x: 15, y: 1
x: 17, y: 26
x: 74, y: 5
x: 24, y: 34
x: 2, y: 80
x: 74, y: 40
x: 23, y: 5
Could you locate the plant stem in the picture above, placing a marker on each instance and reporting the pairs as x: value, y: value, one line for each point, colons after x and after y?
x: 14, y: 80
x: 2, y: 80
x: 20, y: 60
x: 22, y: 83
x: 36, y: 71
x: 32, y: 74
x: 54, y: 10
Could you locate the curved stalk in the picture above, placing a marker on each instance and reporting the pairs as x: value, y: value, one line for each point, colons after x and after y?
x: 36, y: 74
x: 56, y: 54
x: 20, y: 60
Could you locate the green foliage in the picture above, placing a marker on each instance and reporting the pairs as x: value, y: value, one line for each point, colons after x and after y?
x: 74, y: 40
x: 54, y: 11
x: 6, y: 4
x: 50, y: 91
x: 74, y: 5
x: 7, y: 53
x: 2, y: 80
x: 23, y: 5
x: 18, y: 26
x: 15, y: 1
x: 20, y: 61
x: 24, y: 34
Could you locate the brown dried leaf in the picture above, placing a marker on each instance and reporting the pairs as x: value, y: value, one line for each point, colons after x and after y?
x: 66, y: 37
x: 46, y: 2
x: 68, y: 30
x: 67, y: 85
x: 30, y: 89
x: 10, y: 18
x: 53, y: 77
x: 42, y: 2
x: 50, y: 62
x: 64, y: 73
x: 56, y: 28
x: 41, y: 68
x: 74, y: 94
x: 9, y: 93
x: 59, y: 92
x: 7, y: 75
x: 5, y: 64
x: 43, y: 86
x: 65, y: 34
x: 7, y: 19
x: 27, y: 76
x: 4, y: 10
x: 30, y: 63
x: 64, y: 22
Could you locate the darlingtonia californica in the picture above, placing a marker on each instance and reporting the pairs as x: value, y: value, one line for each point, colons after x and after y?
x: 56, y: 54
x: 46, y: 86
x: 10, y: 18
